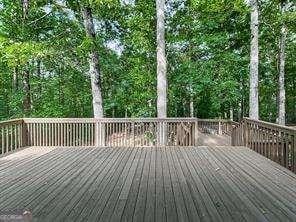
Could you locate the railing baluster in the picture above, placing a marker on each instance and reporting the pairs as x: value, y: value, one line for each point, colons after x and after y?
x: 271, y: 140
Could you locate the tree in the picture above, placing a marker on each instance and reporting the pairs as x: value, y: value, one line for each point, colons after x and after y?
x: 161, y: 61
x: 26, y: 71
x: 94, y: 67
x: 281, y: 68
x: 254, y: 61
x: 207, y: 47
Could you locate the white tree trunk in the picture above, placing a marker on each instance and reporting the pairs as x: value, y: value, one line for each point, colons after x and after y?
x: 161, y: 61
x: 254, y: 62
x: 25, y: 6
x: 27, y: 92
x: 191, y: 107
x: 231, y: 114
x: 15, y: 78
x: 282, y: 93
x: 94, y: 67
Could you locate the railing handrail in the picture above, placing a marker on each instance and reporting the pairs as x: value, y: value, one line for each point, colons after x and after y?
x: 214, y: 120
x: 108, y: 120
x: 271, y: 140
x: 273, y: 125
x: 11, y: 121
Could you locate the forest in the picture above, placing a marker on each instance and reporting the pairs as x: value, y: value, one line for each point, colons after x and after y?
x: 140, y: 58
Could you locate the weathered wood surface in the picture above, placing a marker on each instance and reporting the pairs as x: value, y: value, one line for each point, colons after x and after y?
x: 12, y: 135
x: 113, y: 132
x: 147, y: 184
x: 110, y: 132
x: 273, y: 141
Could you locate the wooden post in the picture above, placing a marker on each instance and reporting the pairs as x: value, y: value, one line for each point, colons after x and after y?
x: 97, y: 133
x: 164, y: 133
x: 220, y: 128
x: 102, y: 137
x: 158, y: 134
x: 196, y: 133
x: 293, y: 150
x: 243, y: 134
x: 25, y: 135
x: 133, y: 133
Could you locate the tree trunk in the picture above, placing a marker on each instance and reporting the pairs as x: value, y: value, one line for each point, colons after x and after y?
x: 27, y: 92
x: 15, y: 83
x: 38, y: 72
x: 191, y: 107
x: 254, y: 61
x: 161, y: 61
x: 26, y: 72
x: 25, y: 6
x: 94, y: 67
x: 282, y: 93
x: 231, y: 114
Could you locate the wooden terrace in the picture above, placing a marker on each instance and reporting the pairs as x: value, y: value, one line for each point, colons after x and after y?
x: 151, y: 170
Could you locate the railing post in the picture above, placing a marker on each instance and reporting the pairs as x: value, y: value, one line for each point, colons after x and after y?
x: 133, y: 133
x: 164, y: 133
x: 161, y: 133
x: 158, y: 132
x: 244, y: 133
x: 97, y: 133
x: 293, y: 150
x: 196, y: 133
x: 233, y: 137
x: 25, y: 139
x: 219, y: 128
x: 102, y: 129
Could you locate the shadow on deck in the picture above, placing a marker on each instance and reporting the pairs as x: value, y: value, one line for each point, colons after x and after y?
x: 147, y: 184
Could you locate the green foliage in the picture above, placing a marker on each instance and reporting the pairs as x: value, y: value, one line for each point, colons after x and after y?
x: 207, y: 53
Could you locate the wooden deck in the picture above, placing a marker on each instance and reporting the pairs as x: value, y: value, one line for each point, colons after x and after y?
x: 147, y: 184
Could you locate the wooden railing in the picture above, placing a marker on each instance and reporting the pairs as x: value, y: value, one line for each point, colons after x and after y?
x: 112, y: 132
x: 70, y: 132
x: 12, y: 135
x: 275, y: 142
x: 216, y: 126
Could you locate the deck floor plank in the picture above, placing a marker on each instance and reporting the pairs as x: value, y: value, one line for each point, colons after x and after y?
x: 218, y: 187
x: 86, y: 205
x: 214, y: 195
x: 151, y: 190
x: 263, y: 200
x: 237, y: 207
x: 160, y: 212
x: 192, y: 213
x: 116, y: 192
x: 30, y: 182
x: 174, y: 201
x: 268, y: 187
x: 235, y: 183
x: 203, y: 213
x: 101, y: 198
x: 270, y: 169
x: 68, y: 196
x: 132, y: 195
x: 123, y: 196
x: 202, y: 183
x: 75, y: 204
x: 208, y: 203
x: 44, y: 197
x: 140, y: 206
